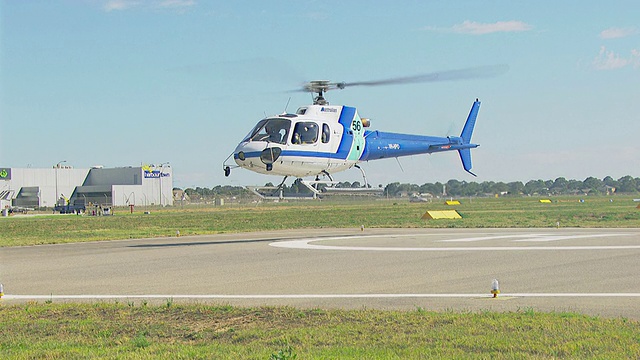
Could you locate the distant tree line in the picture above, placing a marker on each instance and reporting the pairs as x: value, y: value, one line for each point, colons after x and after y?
x: 560, y: 186
x: 225, y: 191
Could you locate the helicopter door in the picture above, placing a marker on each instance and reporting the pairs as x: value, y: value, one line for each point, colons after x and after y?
x: 325, y: 144
x: 305, y: 133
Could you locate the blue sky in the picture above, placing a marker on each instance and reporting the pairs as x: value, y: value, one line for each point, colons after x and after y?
x: 120, y: 83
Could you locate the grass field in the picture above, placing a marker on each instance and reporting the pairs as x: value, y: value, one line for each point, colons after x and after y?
x: 476, y: 212
x: 139, y: 330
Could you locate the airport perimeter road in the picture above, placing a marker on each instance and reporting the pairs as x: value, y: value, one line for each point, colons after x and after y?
x: 592, y: 271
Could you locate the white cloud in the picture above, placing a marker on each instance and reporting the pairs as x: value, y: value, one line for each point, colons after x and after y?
x: 119, y: 5
x: 475, y: 28
x: 609, y: 60
x: 617, y: 33
x: 112, y: 5
x: 635, y: 58
x: 176, y: 3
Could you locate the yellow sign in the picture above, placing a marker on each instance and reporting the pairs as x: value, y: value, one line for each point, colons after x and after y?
x: 545, y: 201
x: 452, y: 202
x: 442, y: 214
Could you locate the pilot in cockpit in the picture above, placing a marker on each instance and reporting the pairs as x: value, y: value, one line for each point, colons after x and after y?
x: 274, y: 134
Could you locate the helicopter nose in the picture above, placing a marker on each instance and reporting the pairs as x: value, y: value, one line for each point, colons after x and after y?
x: 269, y: 155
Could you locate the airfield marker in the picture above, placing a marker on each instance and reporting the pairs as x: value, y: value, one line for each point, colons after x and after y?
x: 495, y: 288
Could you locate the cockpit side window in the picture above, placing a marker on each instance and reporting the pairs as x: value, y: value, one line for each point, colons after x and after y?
x: 305, y: 133
x: 255, y: 130
x: 271, y: 130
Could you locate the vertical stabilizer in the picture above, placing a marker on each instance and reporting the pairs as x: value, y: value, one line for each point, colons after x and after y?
x: 467, y: 131
x: 471, y: 123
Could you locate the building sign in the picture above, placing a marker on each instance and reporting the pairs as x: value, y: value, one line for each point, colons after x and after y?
x: 5, y: 173
x: 152, y: 172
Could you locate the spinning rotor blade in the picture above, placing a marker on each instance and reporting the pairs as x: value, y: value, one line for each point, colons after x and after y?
x: 450, y: 75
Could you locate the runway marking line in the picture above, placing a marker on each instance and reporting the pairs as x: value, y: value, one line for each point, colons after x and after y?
x: 531, y: 237
x: 316, y: 296
x: 306, y: 243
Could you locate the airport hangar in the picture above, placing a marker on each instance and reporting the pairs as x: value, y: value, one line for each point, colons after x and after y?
x: 123, y: 186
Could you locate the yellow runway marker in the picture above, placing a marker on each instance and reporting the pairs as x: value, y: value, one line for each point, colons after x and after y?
x: 443, y: 214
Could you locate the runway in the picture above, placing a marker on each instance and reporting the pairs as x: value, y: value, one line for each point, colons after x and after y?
x: 592, y: 271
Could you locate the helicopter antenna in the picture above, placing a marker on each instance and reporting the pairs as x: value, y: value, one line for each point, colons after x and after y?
x: 399, y: 164
x: 286, y: 106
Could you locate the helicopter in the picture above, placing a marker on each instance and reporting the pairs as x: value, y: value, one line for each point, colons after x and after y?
x: 321, y: 139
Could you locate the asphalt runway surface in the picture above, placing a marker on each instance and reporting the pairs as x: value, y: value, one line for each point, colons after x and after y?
x: 591, y: 271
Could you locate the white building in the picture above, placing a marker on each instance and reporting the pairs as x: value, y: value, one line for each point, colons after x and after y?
x: 145, y: 185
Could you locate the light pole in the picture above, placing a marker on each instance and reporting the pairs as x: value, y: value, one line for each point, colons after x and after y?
x: 161, y: 169
x: 57, y: 167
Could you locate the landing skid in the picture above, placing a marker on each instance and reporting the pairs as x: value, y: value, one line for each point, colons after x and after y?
x: 364, y: 176
x: 313, y: 185
x: 317, y: 191
x: 275, y: 193
x: 331, y: 189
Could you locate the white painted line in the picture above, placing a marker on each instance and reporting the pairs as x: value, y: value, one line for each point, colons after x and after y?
x: 532, y: 237
x: 305, y: 244
x: 493, y: 237
x: 263, y: 296
x: 572, y: 295
x: 545, y: 238
x: 311, y: 296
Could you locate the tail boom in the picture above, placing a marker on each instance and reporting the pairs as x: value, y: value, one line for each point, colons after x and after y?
x: 380, y: 145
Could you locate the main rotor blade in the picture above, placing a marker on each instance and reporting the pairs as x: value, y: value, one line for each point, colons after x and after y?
x: 450, y: 75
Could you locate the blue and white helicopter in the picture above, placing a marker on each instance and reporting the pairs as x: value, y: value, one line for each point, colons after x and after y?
x: 321, y: 139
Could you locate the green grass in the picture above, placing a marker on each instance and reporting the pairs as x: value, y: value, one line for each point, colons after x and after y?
x: 105, y: 330
x: 476, y: 212
x: 140, y: 331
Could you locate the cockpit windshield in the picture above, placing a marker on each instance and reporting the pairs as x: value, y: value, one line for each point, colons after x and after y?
x: 271, y: 130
